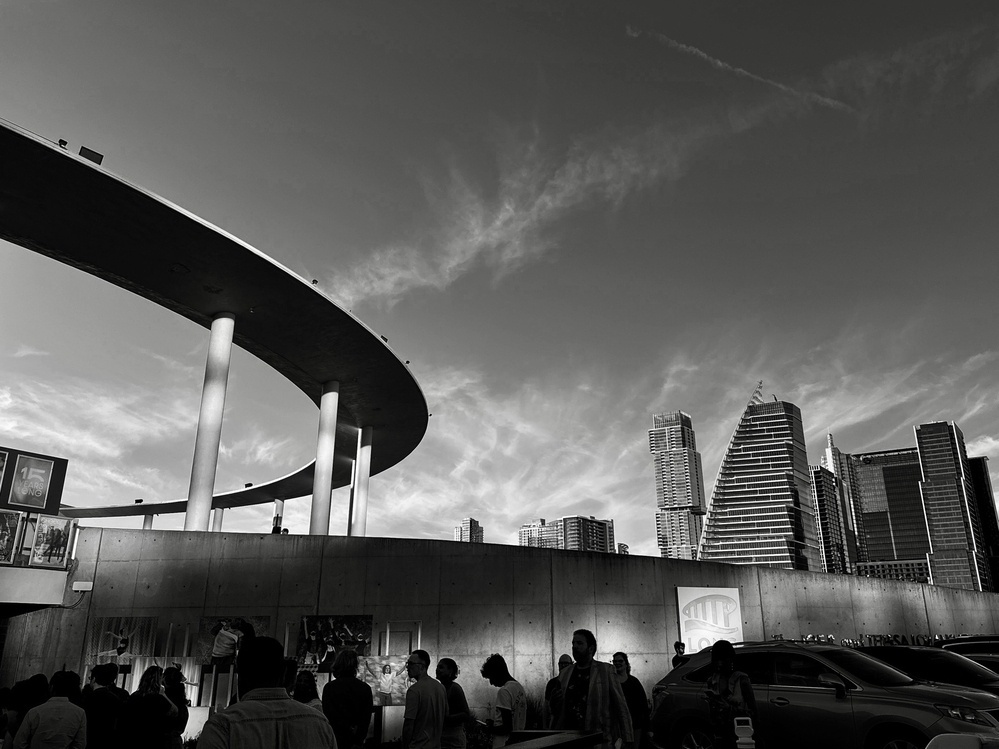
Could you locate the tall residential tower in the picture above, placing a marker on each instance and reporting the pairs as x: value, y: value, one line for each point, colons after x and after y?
x: 679, y: 485
x: 761, y: 509
x: 469, y: 531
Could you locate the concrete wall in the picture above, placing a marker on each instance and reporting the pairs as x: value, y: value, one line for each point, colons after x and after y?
x: 472, y: 599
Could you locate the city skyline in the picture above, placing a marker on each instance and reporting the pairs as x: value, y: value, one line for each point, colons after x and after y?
x: 566, y: 218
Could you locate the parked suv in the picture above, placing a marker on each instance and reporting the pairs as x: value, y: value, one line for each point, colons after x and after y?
x: 936, y: 664
x: 823, y: 697
x: 983, y: 649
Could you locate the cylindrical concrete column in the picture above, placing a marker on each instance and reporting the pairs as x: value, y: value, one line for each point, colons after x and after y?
x: 278, y: 516
x: 206, y: 444
x: 322, y: 482
x: 147, y: 522
x: 362, y: 472
x: 217, y: 515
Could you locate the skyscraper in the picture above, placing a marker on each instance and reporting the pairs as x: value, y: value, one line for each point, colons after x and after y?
x: 985, y: 500
x: 896, y: 539
x: 957, y: 550
x: 761, y: 509
x: 679, y: 485
x: 829, y: 520
x: 573, y: 533
x: 469, y: 531
x: 842, y: 467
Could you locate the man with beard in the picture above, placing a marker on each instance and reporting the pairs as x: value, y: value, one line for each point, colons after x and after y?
x: 592, y: 697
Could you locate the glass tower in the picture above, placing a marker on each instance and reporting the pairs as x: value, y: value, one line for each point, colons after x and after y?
x: 957, y: 555
x: 832, y: 539
x: 761, y: 509
x: 843, y: 467
x: 679, y: 485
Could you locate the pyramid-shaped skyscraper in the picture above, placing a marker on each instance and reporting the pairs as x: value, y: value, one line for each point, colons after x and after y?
x: 761, y: 510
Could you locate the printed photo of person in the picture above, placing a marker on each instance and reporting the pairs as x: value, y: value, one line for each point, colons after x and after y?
x: 119, y: 639
x: 10, y: 524
x: 320, y: 638
x: 53, y: 536
x: 387, y: 677
x: 220, y: 637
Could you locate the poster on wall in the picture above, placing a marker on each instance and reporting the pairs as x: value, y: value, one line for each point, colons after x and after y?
x: 31, y: 482
x: 320, y: 638
x: 387, y: 677
x: 220, y: 637
x: 53, y: 538
x: 708, y: 615
x: 120, y: 639
x: 10, y: 526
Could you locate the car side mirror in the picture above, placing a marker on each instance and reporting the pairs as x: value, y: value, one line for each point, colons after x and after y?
x: 835, y: 681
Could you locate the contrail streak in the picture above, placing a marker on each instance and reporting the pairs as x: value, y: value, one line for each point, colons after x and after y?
x: 720, y: 65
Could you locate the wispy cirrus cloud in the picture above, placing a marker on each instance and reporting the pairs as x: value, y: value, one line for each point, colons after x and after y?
x: 952, y: 67
x: 256, y: 448
x: 24, y: 350
x: 508, y: 225
x: 90, y: 419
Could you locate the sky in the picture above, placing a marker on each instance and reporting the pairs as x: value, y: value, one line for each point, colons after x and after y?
x: 567, y: 215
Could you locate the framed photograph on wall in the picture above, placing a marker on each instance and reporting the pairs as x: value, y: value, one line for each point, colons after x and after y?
x: 53, y: 537
x: 10, y: 531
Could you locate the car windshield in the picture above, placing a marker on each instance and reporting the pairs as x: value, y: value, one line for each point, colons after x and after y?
x: 934, y: 664
x: 866, y: 668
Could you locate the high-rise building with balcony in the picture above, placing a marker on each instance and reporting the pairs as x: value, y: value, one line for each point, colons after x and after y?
x: 469, y: 531
x: 761, y: 509
x: 679, y: 485
x: 828, y: 520
x: 895, y: 536
x: 572, y: 533
x: 537, y: 533
x: 957, y: 549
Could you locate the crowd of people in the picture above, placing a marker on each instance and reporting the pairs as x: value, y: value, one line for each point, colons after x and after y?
x: 57, y: 712
x: 277, y: 705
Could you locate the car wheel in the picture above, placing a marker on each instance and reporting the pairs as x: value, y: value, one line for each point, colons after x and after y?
x: 696, y: 738
x: 898, y: 741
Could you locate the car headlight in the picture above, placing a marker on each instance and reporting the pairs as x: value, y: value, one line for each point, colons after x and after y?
x: 964, y: 713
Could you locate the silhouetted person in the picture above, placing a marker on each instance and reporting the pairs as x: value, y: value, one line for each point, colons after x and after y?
x: 511, y: 699
x: 265, y: 716
x: 593, y: 699
x: 103, y: 707
x: 634, y: 695
x: 305, y: 690
x: 174, y: 689
x: 552, y: 707
x: 426, y: 705
x: 56, y: 723
x: 113, y: 686
x: 24, y: 695
x: 729, y: 693
x: 458, y: 713
x: 347, y: 702
x: 148, y: 713
x: 679, y: 659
